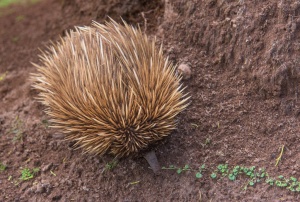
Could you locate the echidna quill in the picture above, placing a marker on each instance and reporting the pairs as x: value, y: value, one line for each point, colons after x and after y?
x: 108, y: 88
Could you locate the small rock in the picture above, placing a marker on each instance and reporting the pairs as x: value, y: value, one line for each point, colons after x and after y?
x: 85, y: 188
x: 185, y: 71
x: 40, y: 189
x: 47, y: 167
x: 69, y: 183
x: 43, y: 187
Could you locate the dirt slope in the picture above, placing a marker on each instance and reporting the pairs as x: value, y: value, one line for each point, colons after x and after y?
x: 244, y: 87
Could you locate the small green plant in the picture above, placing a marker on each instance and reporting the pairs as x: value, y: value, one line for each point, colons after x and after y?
x: 110, y: 165
x: 2, y: 167
x: 223, y: 169
x: 27, y: 174
x: 233, y: 174
x: 199, y: 174
x: 253, y: 174
x: 213, y: 175
x: 291, y: 183
x: 179, y: 170
x: 270, y: 181
x: 294, y: 184
x: 185, y: 168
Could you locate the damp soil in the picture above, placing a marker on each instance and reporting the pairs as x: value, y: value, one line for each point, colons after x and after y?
x: 244, y: 57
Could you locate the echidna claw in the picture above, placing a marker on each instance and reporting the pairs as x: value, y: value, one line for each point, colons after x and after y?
x: 152, y: 160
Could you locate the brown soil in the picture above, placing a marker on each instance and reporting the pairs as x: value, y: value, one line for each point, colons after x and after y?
x: 244, y: 86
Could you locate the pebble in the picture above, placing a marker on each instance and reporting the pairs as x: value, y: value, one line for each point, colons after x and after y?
x: 40, y: 189
x: 46, y: 167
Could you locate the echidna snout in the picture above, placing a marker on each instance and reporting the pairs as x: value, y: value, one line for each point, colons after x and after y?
x: 108, y: 88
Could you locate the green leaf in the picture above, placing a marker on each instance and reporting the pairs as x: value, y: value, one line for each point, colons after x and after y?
x: 186, y: 167
x: 2, y: 167
x: 26, y: 174
x: 231, y: 177
x: 179, y: 170
x: 280, y: 177
x: 35, y: 170
x: 198, y: 175
x: 203, y: 166
x: 251, y: 183
x: 213, y: 175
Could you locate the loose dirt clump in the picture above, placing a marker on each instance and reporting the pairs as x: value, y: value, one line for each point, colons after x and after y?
x: 244, y: 102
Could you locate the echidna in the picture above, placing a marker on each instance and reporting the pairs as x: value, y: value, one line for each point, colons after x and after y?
x: 108, y: 88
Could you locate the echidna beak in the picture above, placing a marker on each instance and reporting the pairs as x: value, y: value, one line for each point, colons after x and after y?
x: 152, y: 160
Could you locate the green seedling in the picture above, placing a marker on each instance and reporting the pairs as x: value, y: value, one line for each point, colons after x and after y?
x: 270, y: 181
x: 185, y: 168
x: 223, y: 169
x: 2, y: 167
x: 199, y: 173
x: 213, y: 175
x: 179, y: 170
x: 27, y: 174
x: 253, y: 174
x: 291, y: 183
x: 110, y: 165
x: 294, y: 185
x: 281, y: 182
x: 235, y: 171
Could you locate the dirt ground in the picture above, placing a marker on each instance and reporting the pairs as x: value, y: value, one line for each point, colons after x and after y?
x: 244, y: 106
